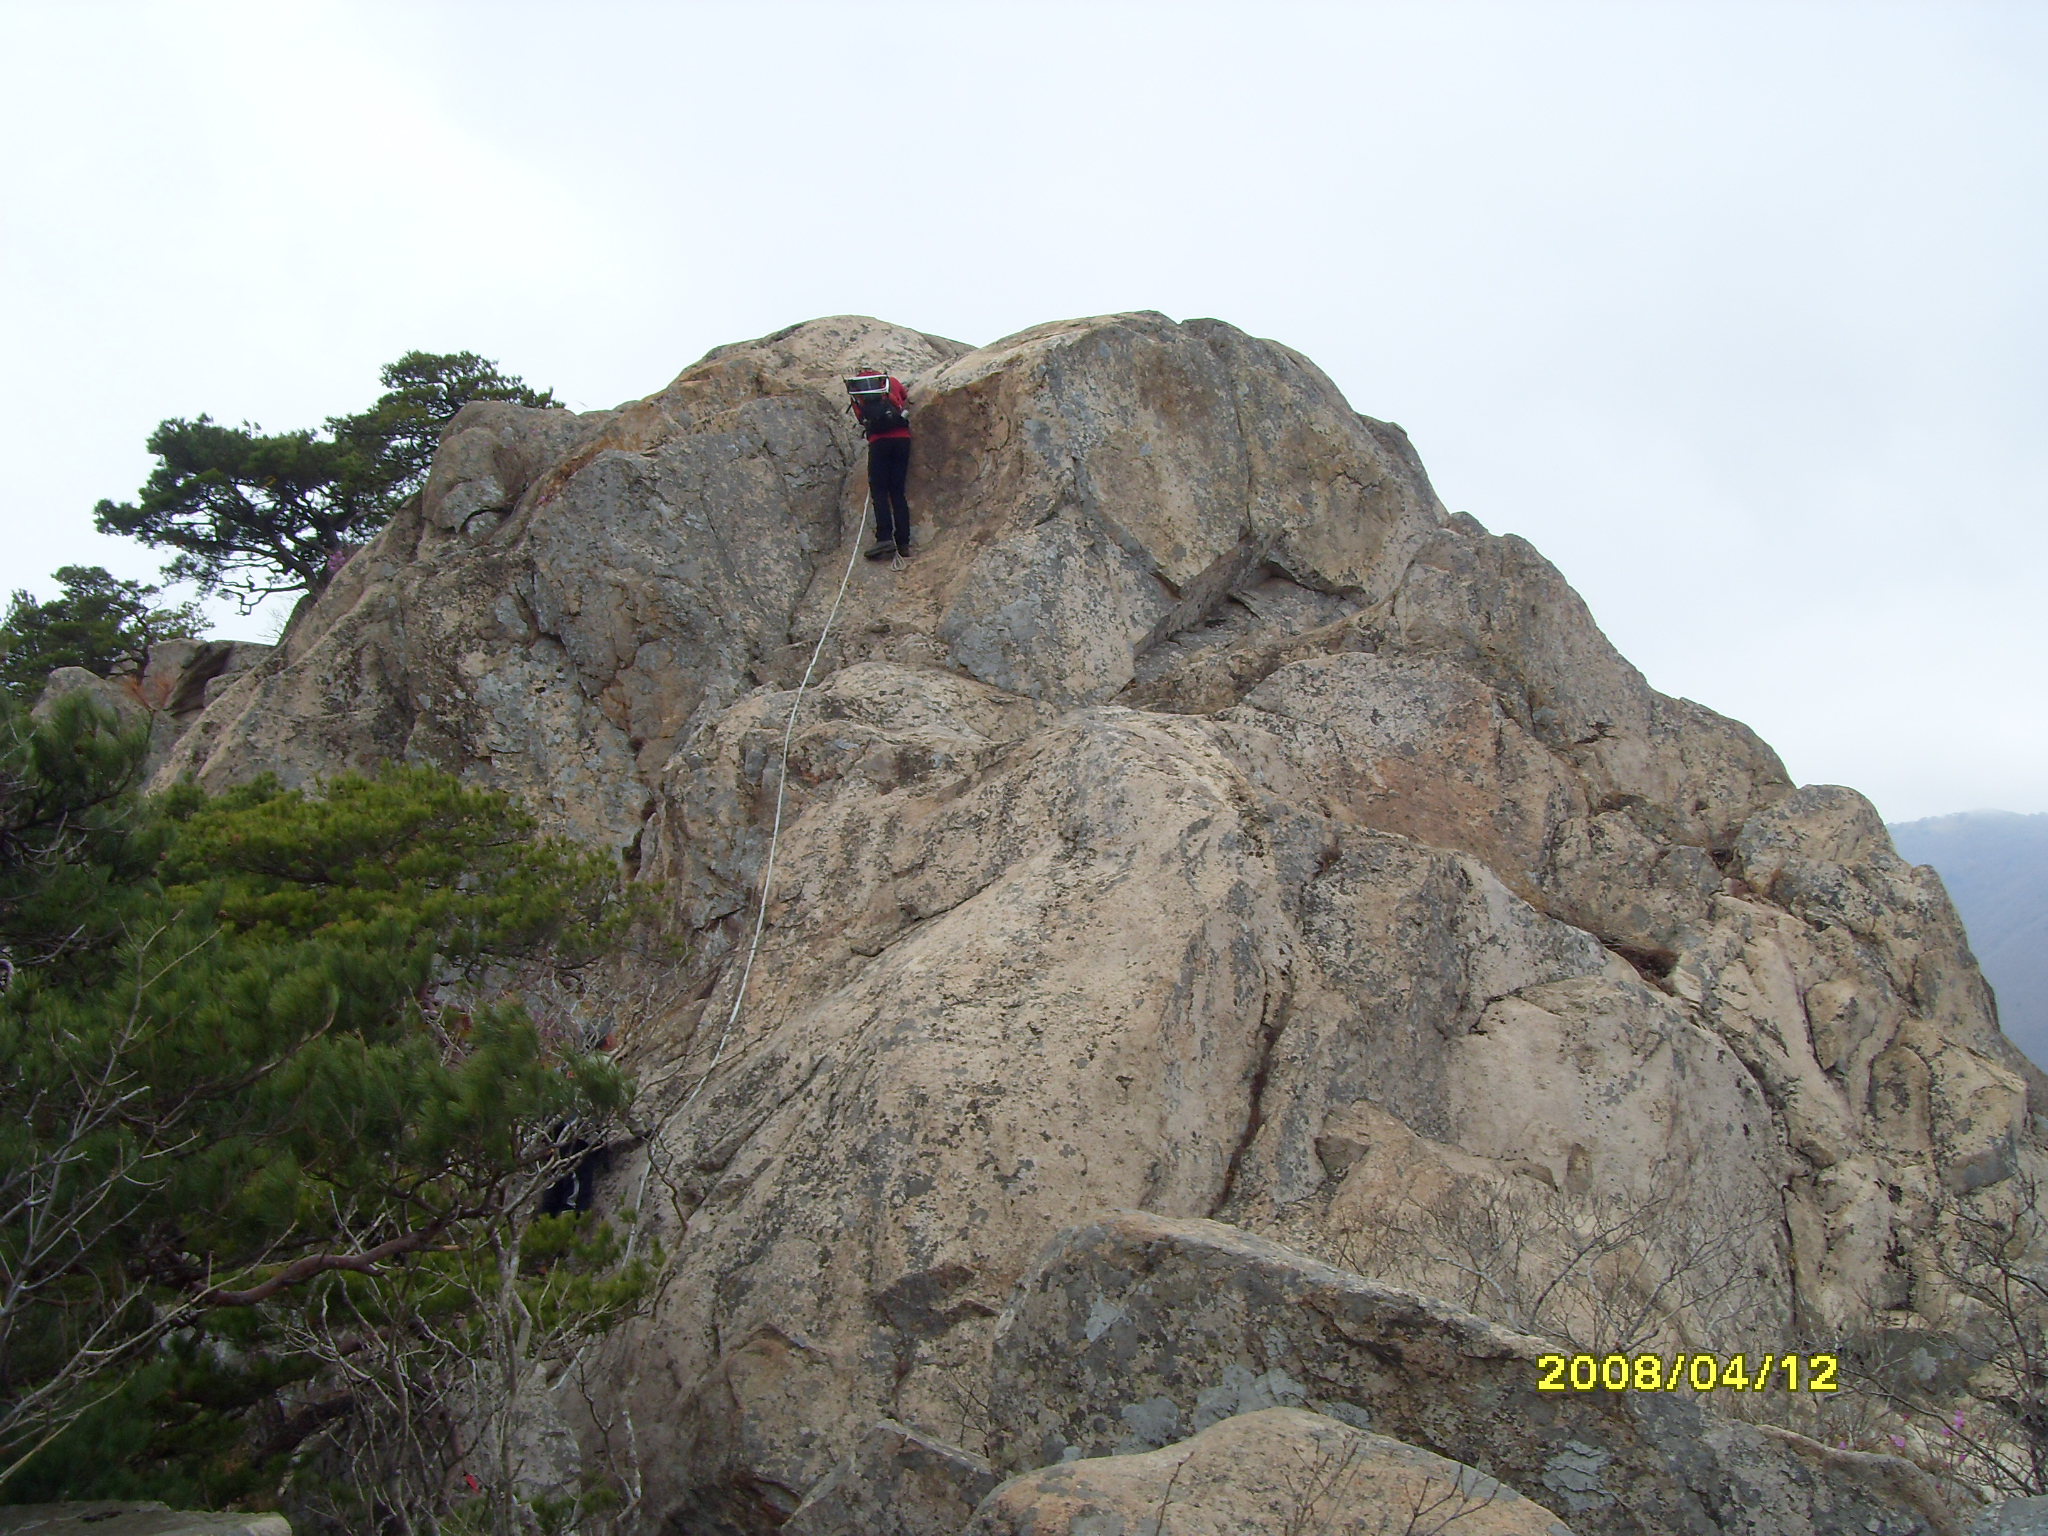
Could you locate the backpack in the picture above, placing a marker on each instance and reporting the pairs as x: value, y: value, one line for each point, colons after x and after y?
x: 871, y: 403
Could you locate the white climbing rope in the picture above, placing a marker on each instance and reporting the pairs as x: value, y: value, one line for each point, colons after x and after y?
x: 767, y: 873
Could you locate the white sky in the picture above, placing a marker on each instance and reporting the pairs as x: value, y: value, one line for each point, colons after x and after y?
x: 1735, y: 311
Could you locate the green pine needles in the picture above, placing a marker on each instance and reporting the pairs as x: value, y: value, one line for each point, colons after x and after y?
x: 277, y: 1130
x: 251, y: 513
x: 94, y: 620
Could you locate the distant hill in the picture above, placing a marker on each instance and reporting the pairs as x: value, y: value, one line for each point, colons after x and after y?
x: 1995, y: 865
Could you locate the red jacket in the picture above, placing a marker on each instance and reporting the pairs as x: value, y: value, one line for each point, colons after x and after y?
x: 901, y: 398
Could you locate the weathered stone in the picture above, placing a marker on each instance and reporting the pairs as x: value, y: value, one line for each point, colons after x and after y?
x: 2015, y: 1517
x: 1138, y: 1329
x: 1426, y: 752
x: 1501, y: 611
x: 1272, y: 1469
x: 131, y: 1517
x: 112, y: 699
x: 166, y: 690
x: 897, y: 1482
x: 1202, y: 821
x: 177, y: 674
x: 1129, y: 472
x: 489, y: 454
x: 647, y: 573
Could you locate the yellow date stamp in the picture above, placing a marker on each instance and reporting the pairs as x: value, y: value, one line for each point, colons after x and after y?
x: 1695, y: 1373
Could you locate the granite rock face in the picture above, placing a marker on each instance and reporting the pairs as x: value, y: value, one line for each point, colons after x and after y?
x: 164, y: 691
x: 897, y: 1482
x: 2014, y: 1517
x: 1273, y: 1469
x: 1136, y: 1330
x: 1200, y: 814
x: 131, y: 1517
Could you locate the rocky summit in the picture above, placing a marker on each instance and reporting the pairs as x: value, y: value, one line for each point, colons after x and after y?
x: 1202, y: 823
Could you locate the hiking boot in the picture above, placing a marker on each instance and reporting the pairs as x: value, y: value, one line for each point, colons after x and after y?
x: 883, y: 550
x: 903, y: 548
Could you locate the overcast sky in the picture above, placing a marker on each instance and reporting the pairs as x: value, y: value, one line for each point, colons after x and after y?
x: 1736, y: 312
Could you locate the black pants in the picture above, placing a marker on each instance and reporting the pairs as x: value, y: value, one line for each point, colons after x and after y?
x: 888, y: 467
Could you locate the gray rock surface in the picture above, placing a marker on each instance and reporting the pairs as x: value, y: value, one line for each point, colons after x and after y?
x: 1203, y: 821
x: 1136, y: 1330
x: 897, y: 1482
x: 131, y: 1517
x: 488, y: 455
x: 127, y: 709
x: 1272, y: 1469
x: 2015, y: 1517
x: 167, y: 691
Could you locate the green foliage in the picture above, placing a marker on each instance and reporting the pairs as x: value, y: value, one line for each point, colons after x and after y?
x: 94, y: 619
x: 247, y: 512
x: 424, y: 390
x: 496, y: 1312
x: 252, y: 514
x: 459, y: 869
x: 577, y: 1278
x: 269, y: 1076
x: 177, y: 1429
x: 74, y: 841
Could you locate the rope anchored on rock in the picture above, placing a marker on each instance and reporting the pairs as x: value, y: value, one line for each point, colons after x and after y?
x: 767, y: 873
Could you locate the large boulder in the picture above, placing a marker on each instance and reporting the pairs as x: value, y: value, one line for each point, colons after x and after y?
x: 943, y: 1062
x: 132, y: 1517
x: 179, y: 677
x: 1204, y: 821
x: 2014, y: 1517
x: 488, y: 455
x: 896, y: 1482
x: 1136, y: 1330
x: 1129, y: 472
x: 1273, y: 1469
x: 109, y: 698
x: 162, y: 692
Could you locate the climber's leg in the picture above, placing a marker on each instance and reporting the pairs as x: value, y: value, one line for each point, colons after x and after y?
x: 888, y: 468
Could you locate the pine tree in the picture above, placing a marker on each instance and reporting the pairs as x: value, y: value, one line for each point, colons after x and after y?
x: 94, y: 620
x: 272, y: 1100
x: 253, y: 513
x: 423, y: 393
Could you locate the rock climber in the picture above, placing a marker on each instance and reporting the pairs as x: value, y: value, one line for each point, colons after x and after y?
x: 882, y: 407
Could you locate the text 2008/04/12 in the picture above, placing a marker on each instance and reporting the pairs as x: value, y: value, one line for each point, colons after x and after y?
x: 1698, y: 1373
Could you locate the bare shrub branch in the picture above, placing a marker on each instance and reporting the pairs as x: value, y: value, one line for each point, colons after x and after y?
x: 1599, y: 1273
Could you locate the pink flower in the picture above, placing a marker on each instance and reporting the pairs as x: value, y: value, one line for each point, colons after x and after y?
x: 1899, y: 1442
